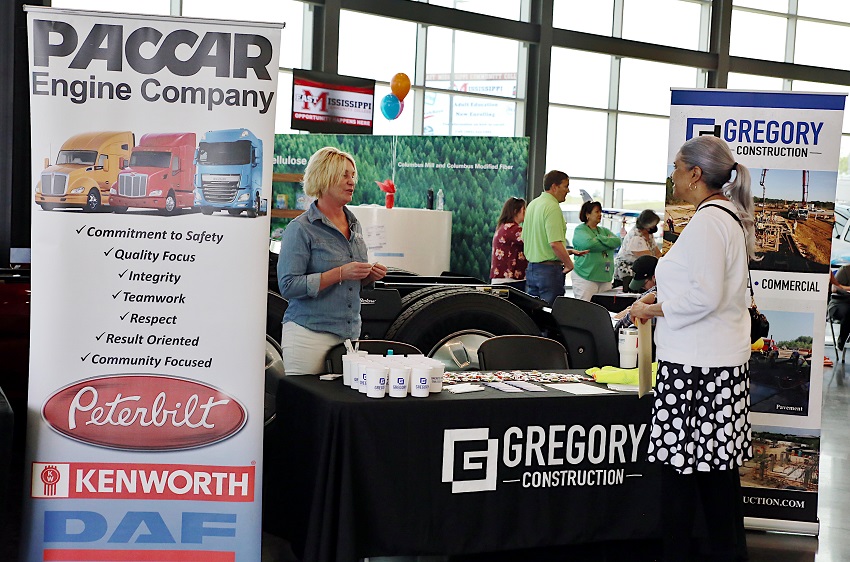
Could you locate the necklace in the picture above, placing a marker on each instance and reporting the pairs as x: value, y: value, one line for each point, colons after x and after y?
x: 709, y: 197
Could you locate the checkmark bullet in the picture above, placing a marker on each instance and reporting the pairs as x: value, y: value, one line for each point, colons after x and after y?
x: 115, y: 296
x: 84, y: 357
x: 124, y: 315
x: 107, y: 252
x: 98, y: 337
x: 121, y: 275
x: 80, y: 229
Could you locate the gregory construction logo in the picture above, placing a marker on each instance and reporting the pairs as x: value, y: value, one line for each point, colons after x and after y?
x: 542, y: 456
x: 481, y: 456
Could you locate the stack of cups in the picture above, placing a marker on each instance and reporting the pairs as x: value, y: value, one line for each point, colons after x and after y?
x: 347, y: 361
x: 376, y: 375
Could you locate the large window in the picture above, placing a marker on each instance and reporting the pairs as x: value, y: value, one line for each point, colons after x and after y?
x: 645, y: 86
x: 606, y: 115
x: 579, y: 78
x: 151, y: 7
x: 289, y: 12
x: 577, y: 142
x: 758, y: 36
x: 508, y: 9
x: 590, y: 17
x: 663, y: 22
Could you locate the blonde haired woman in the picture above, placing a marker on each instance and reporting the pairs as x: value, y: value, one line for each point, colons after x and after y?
x: 323, y: 265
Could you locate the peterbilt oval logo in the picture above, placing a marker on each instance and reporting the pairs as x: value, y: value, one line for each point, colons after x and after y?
x: 144, y: 412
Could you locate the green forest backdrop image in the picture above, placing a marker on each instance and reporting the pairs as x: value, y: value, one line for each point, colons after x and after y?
x: 477, y: 175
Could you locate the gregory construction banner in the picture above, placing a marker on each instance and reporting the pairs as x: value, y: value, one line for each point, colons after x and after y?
x: 790, y: 143
x: 149, y: 258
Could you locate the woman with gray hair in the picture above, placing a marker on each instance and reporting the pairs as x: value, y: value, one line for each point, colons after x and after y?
x: 322, y: 266
x: 636, y: 243
x: 701, y: 431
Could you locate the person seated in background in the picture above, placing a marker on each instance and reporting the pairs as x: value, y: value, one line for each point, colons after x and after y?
x: 507, y: 262
x: 643, y: 281
x: 637, y: 242
x: 839, y: 303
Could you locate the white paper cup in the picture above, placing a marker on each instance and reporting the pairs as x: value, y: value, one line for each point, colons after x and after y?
x: 376, y: 381
x: 627, y: 343
x: 364, y: 370
x: 399, y: 381
x: 346, y: 369
x: 437, y: 370
x: 420, y: 380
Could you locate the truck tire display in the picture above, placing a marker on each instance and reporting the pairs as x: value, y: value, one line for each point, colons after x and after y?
x: 428, y: 320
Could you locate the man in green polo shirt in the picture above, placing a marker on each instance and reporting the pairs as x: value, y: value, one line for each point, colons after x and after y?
x: 544, y: 234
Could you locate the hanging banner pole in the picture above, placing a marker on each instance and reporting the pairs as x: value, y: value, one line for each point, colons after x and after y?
x: 790, y: 143
x: 149, y: 273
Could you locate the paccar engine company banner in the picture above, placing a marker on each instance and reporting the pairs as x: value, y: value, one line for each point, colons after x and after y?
x: 790, y: 143
x: 149, y: 258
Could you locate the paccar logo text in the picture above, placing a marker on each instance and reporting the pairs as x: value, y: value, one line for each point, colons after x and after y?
x: 144, y: 412
x: 136, y: 481
x: 106, y: 42
x: 603, y: 447
x: 148, y: 51
x: 765, y: 134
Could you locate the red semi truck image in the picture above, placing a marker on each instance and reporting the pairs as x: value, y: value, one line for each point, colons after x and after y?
x: 160, y: 175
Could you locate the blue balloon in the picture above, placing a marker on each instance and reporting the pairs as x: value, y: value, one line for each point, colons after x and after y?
x: 391, y: 106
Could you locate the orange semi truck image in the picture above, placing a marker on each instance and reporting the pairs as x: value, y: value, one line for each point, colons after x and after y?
x: 85, y: 169
x: 160, y: 175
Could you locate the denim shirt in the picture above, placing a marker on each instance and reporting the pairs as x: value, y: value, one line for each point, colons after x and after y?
x: 311, y: 245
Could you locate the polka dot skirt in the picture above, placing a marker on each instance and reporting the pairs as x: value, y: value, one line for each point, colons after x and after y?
x: 700, y: 418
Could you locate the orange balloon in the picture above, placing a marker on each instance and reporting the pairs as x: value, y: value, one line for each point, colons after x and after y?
x: 400, y: 85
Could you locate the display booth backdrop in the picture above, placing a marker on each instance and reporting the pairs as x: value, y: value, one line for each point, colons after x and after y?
x: 477, y: 175
x: 145, y: 413
x: 790, y: 143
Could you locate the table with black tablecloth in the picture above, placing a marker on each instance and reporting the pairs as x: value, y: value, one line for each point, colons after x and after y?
x: 347, y: 476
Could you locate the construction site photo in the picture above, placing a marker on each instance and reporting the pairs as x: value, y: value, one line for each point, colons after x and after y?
x: 794, y: 216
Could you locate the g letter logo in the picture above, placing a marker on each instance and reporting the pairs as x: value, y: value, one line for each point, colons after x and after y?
x: 472, y: 460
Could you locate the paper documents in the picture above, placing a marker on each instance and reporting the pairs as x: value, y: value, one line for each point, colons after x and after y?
x: 644, y: 357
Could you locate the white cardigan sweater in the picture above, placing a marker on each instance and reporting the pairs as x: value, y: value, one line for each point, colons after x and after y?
x: 702, y: 288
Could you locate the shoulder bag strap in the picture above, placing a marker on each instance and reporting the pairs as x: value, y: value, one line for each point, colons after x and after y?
x: 738, y: 220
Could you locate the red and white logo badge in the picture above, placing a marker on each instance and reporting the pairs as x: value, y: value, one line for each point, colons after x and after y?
x: 144, y: 413
x: 50, y: 480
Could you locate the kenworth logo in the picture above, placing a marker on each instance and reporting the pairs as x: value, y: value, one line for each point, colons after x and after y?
x: 768, y: 135
x: 596, y: 456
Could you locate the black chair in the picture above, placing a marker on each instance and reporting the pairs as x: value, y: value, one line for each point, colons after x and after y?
x: 832, y: 321
x: 333, y: 359
x: 521, y: 352
x: 587, y: 331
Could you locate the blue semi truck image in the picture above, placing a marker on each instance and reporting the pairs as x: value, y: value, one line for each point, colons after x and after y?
x: 229, y: 174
